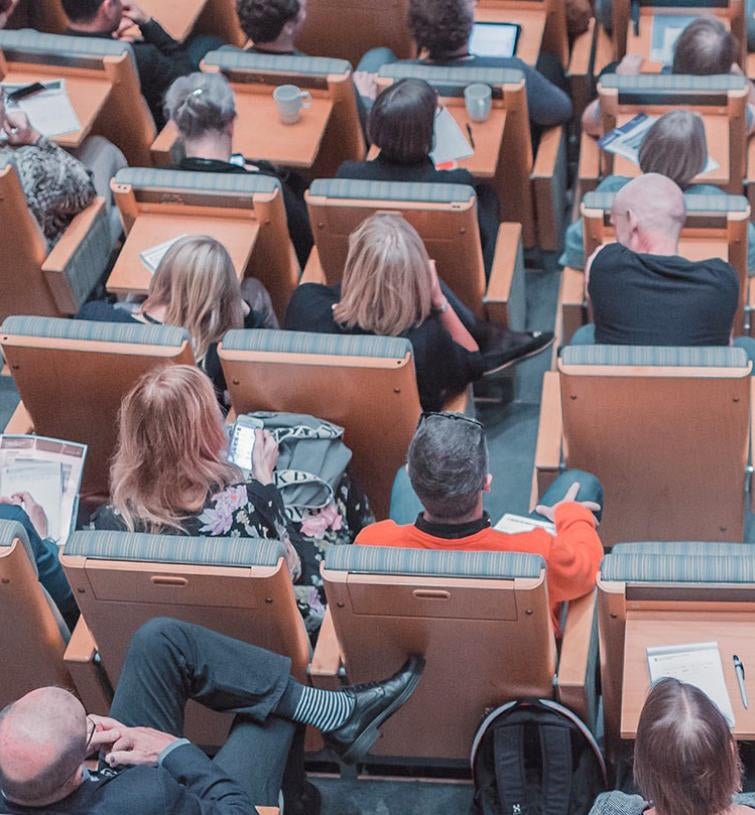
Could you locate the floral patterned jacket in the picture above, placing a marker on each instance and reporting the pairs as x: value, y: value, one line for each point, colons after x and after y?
x: 255, y: 510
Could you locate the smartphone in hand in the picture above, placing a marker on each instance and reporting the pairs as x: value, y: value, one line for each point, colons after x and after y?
x: 242, y: 442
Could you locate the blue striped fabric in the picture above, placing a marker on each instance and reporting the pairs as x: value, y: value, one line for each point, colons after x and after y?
x: 713, y: 548
x: 390, y: 560
x: 304, y: 342
x: 684, y: 568
x: 90, y: 259
x: 12, y: 530
x: 225, y: 183
x: 59, y: 49
x: 654, y: 356
x: 134, y: 546
x: 349, y: 189
x: 676, y: 83
x: 695, y: 204
x: 439, y: 75
x: 231, y: 59
x: 60, y: 329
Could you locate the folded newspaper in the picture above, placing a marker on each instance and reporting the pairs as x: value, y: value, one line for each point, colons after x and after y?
x: 50, y: 471
x: 626, y: 140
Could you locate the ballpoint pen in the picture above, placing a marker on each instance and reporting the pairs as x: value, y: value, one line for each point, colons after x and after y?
x: 739, y: 670
x: 469, y: 133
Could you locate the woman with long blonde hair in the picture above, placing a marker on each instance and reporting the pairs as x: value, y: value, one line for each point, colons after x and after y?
x: 390, y: 288
x: 196, y: 287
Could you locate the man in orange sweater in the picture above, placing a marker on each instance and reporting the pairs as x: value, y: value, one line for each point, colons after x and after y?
x: 448, y: 470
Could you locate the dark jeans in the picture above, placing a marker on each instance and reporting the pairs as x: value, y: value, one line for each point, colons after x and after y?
x: 170, y: 662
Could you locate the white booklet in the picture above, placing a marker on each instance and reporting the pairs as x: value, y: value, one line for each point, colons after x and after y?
x: 50, y: 111
x: 516, y: 524
x: 450, y: 143
x: 50, y: 471
x: 697, y: 664
x: 627, y: 139
x: 151, y: 258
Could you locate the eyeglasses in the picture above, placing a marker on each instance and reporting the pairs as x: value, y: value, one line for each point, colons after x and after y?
x: 90, y: 736
x: 458, y: 417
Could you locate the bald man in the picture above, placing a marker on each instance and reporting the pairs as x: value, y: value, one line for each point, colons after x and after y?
x: 642, y: 292
x: 149, y: 768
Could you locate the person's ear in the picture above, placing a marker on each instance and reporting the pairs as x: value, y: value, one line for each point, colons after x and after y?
x: 488, y: 483
x: 632, y: 221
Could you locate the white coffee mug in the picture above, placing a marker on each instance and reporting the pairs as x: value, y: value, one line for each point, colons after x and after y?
x: 290, y: 100
x: 478, y: 99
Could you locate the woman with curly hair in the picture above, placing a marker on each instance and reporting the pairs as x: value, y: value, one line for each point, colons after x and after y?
x: 272, y: 25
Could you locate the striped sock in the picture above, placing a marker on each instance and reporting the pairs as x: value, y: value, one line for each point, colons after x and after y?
x: 324, y: 709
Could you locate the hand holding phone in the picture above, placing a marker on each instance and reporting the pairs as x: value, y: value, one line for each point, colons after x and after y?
x: 264, y: 456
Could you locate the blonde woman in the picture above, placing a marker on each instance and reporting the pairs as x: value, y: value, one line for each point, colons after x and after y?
x: 675, y: 146
x: 170, y: 475
x: 390, y: 288
x: 195, y: 287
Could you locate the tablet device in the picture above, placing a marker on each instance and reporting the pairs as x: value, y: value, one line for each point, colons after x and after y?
x: 494, y: 39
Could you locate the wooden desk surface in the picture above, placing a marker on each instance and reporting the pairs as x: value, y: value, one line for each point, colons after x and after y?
x: 642, y: 44
x: 268, y: 810
x: 733, y: 630
x: 532, y: 23
x: 703, y: 248
x: 717, y: 136
x: 487, y: 142
x: 259, y: 133
x: 131, y: 276
x: 87, y: 94
x: 177, y: 17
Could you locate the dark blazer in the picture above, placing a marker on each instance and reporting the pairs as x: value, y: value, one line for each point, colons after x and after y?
x: 159, y: 60
x: 488, y: 209
x: 187, y: 783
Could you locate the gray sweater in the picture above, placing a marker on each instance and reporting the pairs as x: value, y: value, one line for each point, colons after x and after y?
x: 619, y: 803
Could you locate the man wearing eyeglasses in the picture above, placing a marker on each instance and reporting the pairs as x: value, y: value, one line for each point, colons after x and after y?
x: 448, y: 470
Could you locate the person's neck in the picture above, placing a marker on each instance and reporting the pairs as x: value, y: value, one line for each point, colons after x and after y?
x: 213, y: 147
x: 95, y: 26
x: 283, y: 45
x: 463, y: 51
x: 660, y: 245
x: 470, y: 517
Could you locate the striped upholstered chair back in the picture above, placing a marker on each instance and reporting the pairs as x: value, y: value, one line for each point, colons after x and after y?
x: 481, y: 620
x: 365, y: 384
x: 444, y: 215
x: 34, y: 636
x: 73, y: 375
x: 244, y: 212
x: 237, y: 586
x: 662, y: 594
x: 123, y: 116
x: 666, y: 430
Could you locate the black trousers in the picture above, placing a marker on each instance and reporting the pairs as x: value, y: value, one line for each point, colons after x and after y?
x: 170, y: 662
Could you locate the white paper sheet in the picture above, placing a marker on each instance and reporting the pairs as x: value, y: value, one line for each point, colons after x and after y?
x: 697, y: 664
x: 49, y: 111
x: 515, y: 524
x: 151, y: 257
x: 450, y: 143
x: 43, y: 480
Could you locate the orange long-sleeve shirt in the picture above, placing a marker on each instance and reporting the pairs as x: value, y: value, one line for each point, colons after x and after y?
x: 572, y: 555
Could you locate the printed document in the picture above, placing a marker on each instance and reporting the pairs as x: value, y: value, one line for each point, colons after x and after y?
x: 697, y: 664
x: 515, y: 524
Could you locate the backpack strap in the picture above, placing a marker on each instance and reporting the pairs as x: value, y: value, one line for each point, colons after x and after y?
x: 510, y: 775
x: 556, y: 752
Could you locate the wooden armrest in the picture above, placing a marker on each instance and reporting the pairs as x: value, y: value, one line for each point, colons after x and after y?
x: 505, y: 301
x: 604, y: 50
x: 588, y: 171
x: 164, y: 148
x: 82, y: 661
x: 20, y: 423
x: 549, y: 188
x: 581, y: 52
x: 571, y: 303
x: 577, y: 663
x: 313, y: 272
x: 324, y: 670
x: 549, y: 433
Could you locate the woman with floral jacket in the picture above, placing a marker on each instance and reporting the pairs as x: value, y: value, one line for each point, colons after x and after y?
x: 170, y: 475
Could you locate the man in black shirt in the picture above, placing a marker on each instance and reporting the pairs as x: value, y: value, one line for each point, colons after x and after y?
x: 146, y: 765
x: 642, y: 292
x: 159, y: 58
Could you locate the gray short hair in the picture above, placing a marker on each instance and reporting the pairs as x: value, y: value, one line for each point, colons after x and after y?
x: 199, y: 103
x: 675, y: 146
x: 448, y: 464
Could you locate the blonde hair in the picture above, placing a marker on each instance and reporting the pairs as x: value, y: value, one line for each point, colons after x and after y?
x: 171, y: 449
x: 387, y: 285
x: 197, y: 285
x: 675, y: 146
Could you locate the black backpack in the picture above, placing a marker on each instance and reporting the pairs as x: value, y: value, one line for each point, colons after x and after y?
x: 535, y: 757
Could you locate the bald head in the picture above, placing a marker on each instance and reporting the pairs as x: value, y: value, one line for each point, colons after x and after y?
x: 42, y: 744
x: 648, y: 214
